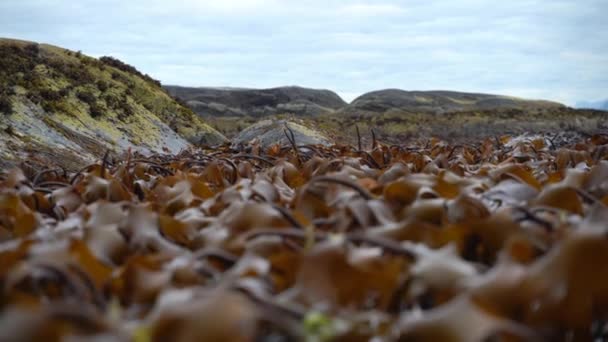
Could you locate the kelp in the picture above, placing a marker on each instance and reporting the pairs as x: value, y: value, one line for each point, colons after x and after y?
x: 505, y: 239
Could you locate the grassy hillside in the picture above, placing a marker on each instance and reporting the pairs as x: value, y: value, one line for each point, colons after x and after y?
x: 440, y: 101
x: 399, y: 126
x: 396, y: 114
x: 52, y: 98
x: 225, y: 102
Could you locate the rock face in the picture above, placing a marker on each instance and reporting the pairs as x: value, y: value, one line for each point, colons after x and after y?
x: 269, y: 132
x: 438, y: 102
x: 258, y: 102
x: 73, y: 108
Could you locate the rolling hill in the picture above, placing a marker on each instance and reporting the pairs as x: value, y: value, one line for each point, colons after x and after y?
x: 382, y: 101
x: 258, y: 102
x: 242, y: 102
x: 64, y: 105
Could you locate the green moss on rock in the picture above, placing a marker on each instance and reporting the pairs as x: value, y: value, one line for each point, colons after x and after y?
x: 105, y: 100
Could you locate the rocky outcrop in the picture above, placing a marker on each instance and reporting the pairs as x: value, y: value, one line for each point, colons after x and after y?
x: 69, y: 106
x: 269, y: 132
x: 257, y: 102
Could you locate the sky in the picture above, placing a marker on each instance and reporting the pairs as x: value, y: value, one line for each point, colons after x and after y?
x: 544, y: 49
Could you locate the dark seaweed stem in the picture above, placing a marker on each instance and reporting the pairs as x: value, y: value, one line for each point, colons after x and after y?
x: 287, y: 216
x: 497, y: 142
x: 254, y: 157
x: 284, y: 233
x: 370, y: 160
x: 154, y: 165
x: 438, y: 146
x: 385, y: 244
x: 235, y: 170
x: 104, y: 164
x: 454, y: 149
x: 552, y: 141
x: 53, y: 184
x: 427, y: 144
x: 196, y: 160
x: 374, y: 141
x: 292, y: 140
x: 217, y: 254
x: 269, y: 302
x: 475, y: 147
x: 42, y: 173
x: 530, y: 144
x: 79, y: 173
x: 464, y: 148
x: 207, y: 271
x: 358, y: 138
x: 97, y: 297
x: 331, y: 179
x: 587, y: 197
x: 504, y: 152
x: 530, y: 216
x: 190, y: 163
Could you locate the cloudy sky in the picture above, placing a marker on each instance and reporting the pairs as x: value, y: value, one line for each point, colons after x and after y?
x: 547, y: 49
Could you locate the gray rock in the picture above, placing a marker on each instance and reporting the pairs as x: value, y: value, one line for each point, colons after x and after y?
x: 269, y: 132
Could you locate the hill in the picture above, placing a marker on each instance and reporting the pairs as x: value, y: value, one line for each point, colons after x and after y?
x: 258, y: 102
x: 63, y: 104
x: 382, y: 101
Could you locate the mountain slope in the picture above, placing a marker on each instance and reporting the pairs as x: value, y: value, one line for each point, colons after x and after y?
x: 438, y: 102
x: 72, y: 106
x: 257, y: 102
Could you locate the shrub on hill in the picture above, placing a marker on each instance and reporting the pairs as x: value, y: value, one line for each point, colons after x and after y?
x: 119, y: 104
x: 50, y: 95
x: 86, y: 96
x: 16, y: 61
x: 120, y: 65
x: 96, y: 110
x: 102, y: 85
x: 78, y: 74
x: 6, y: 106
x: 32, y: 49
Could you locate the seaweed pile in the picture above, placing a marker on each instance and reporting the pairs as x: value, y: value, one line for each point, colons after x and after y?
x: 499, y: 240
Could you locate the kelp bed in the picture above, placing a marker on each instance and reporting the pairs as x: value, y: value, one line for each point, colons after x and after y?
x: 501, y: 240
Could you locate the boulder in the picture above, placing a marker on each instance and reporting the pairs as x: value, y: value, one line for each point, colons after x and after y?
x: 269, y: 132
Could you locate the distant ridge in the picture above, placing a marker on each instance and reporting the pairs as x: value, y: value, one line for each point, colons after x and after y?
x: 234, y: 101
x: 227, y: 101
x: 439, y: 101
